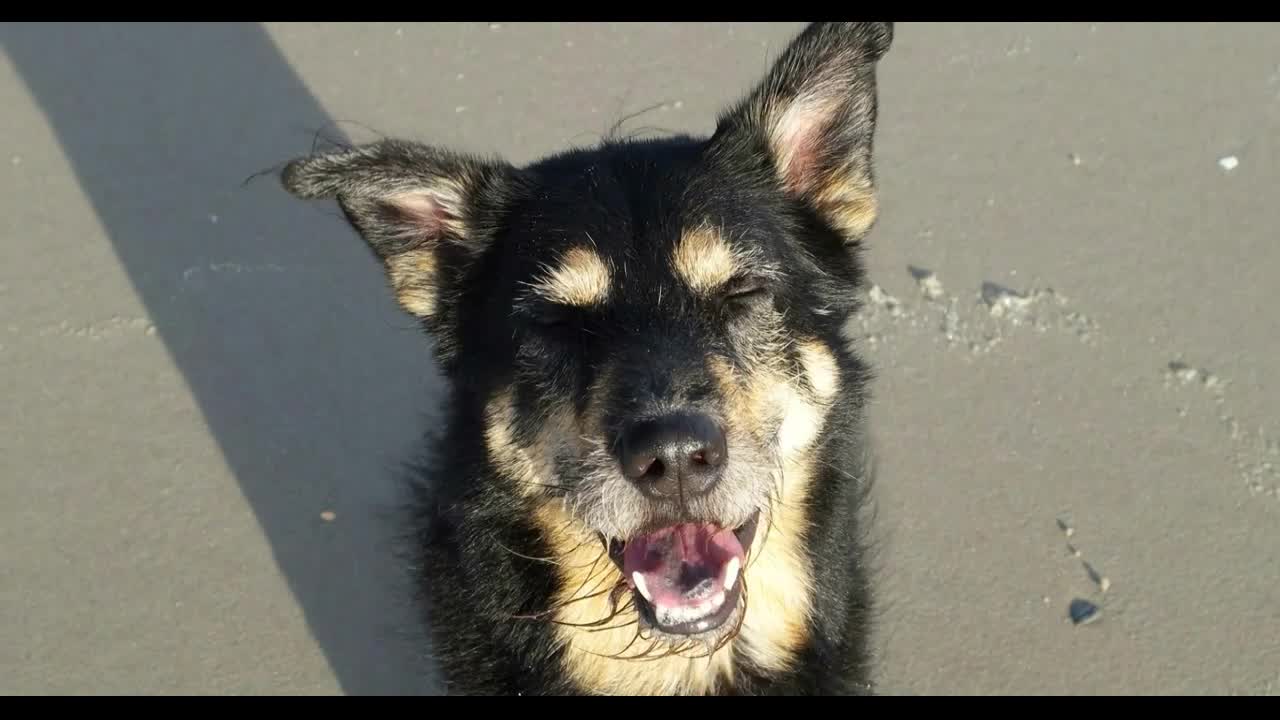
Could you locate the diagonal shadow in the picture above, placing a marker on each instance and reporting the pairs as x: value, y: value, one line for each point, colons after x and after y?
x: 312, y: 383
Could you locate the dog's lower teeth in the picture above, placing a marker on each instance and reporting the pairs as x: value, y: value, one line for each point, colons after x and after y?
x: 638, y: 579
x: 696, y: 614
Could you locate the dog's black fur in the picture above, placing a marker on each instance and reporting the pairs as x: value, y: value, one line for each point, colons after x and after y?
x: 786, y: 184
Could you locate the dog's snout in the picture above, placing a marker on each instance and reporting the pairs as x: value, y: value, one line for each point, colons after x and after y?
x: 674, y: 455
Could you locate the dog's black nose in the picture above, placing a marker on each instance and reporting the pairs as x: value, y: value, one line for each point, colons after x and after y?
x: 674, y: 455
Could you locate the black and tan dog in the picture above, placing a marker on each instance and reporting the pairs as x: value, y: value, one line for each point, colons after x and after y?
x: 654, y: 456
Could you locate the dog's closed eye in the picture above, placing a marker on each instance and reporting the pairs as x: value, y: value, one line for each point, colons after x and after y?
x: 744, y: 293
x: 550, y: 320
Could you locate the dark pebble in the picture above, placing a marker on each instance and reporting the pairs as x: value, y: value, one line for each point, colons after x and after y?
x: 1083, y: 612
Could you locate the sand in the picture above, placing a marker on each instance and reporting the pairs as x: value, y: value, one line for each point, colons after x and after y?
x: 205, y: 387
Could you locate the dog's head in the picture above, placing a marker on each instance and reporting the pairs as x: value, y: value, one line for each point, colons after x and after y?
x: 651, y: 332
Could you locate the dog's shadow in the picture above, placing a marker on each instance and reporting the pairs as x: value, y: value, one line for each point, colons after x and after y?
x: 312, y: 383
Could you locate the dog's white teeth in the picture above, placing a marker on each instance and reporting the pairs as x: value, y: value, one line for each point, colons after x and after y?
x: 638, y: 579
x: 731, y: 574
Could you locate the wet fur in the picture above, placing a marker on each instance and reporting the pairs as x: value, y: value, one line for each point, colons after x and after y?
x: 596, y: 286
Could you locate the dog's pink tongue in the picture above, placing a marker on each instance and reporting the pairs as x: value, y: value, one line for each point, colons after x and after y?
x: 683, y: 565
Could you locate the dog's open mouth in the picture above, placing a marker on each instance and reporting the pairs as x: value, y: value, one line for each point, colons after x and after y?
x: 686, y: 577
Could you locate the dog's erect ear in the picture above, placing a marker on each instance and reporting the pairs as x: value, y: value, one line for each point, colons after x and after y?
x: 425, y: 212
x: 814, y: 116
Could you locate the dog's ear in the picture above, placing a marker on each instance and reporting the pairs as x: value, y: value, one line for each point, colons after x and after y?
x: 813, y: 119
x: 425, y: 212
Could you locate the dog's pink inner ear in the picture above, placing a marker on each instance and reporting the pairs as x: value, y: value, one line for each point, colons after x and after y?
x: 799, y: 137
x: 421, y: 214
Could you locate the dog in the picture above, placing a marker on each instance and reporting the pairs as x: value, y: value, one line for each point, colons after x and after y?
x: 654, y: 455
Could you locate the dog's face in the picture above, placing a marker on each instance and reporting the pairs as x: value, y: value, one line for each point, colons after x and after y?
x: 651, y: 331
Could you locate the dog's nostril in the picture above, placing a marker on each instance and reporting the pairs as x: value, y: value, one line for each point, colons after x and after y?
x: 636, y: 466
x: 711, y: 454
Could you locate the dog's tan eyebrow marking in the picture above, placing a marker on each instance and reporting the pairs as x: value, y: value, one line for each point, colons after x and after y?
x: 704, y: 259
x: 582, y: 279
